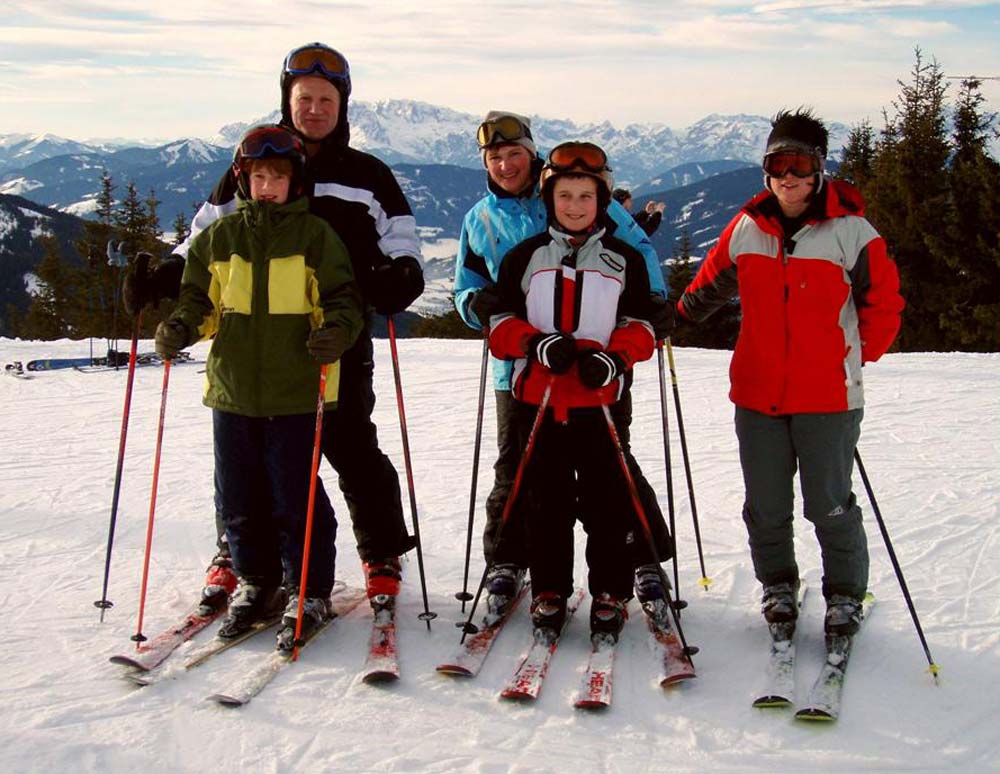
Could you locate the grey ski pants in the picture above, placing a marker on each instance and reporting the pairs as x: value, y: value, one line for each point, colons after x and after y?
x: 821, y: 447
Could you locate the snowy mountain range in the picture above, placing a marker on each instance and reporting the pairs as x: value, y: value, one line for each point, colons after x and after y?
x: 703, y: 172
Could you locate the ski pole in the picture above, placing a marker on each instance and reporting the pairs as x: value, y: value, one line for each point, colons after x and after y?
x: 932, y: 667
x: 705, y: 581
x: 104, y: 603
x: 644, y: 522
x: 468, y: 627
x: 464, y: 594
x: 665, y: 421
x: 139, y: 637
x: 310, y: 509
x: 427, y: 615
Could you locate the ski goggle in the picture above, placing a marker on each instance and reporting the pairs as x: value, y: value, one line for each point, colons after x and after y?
x: 799, y: 164
x: 269, y: 141
x: 317, y: 59
x: 578, y: 155
x: 503, y: 129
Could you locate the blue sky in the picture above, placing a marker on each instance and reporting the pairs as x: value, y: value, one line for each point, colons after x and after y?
x: 110, y: 68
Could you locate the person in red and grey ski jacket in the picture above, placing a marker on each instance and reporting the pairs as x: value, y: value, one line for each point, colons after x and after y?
x: 572, y: 313
x: 820, y: 298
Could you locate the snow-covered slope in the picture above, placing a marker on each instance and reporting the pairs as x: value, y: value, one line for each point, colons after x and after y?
x: 931, y: 442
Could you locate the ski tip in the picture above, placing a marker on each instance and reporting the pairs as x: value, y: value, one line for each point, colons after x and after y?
x: 127, y: 661
x: 453, y: 669
x: 672, y: 680
x: 772, y: 702
x: 225, y: 701
x: 591, y: 704
x: 812, y: 714
x: 517, y: 696
x: 380, y: 678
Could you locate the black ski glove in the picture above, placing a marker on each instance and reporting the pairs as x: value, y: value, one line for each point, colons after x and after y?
x: 171, y: 337
x: 599, y: 369
x: 396, y: 284
x: 484, y: 303
x: 661, y: 316
x: 328, y: 345
x: 555, y: 351
x: 141, y: 288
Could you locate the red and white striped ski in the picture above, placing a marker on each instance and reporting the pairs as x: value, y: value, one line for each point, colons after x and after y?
x: 154, y: 652
x: 675, y: 666
x: 382, y: 663
x: 526, y: 683
x: 469, y: 657
x: 595, y: 692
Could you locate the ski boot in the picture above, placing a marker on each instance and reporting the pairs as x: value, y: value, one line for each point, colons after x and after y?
x: 608, y: 615
x: 548, y: 613
x: 315, y: 612
x: 382, y: 577
x: 250, y: 604
x: 779, y: 603
x: 843, y: 615
x: 220, y: 582
x: 503, y: 582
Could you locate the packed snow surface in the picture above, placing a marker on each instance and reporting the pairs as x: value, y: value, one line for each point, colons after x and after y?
x: 931, y: 444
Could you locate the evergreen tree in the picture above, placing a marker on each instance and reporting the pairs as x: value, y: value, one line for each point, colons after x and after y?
x: 717, y: 332
x: 858, y: 159
x: 970, y: 243
x: 181, y: 229
x: 907, y: 199
x: 444, y: 326
x: 47, y: 316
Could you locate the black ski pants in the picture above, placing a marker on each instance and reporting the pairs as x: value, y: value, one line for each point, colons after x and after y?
x: 574, y: 472
x: 508, y: 545
x: 262, y: 467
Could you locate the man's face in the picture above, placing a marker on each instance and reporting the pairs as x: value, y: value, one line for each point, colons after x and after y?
x: 509, y: 166
x: 315, y: 106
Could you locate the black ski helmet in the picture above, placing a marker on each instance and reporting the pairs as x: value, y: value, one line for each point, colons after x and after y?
x: 321, y: 60
x: 269, y: 141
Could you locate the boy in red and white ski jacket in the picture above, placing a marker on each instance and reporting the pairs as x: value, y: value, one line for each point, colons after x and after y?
x: 572, y: 312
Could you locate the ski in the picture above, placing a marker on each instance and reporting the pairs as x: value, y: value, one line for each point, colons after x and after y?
x: 779, y: 681
x: 526, y: 683
x: 595, y: 692
x: 469, y: 656
x: 675, y: 666
x: 16, y: 369
x: 201, y: 654
x: 823, y: 704
x: 248, y: 684
x: 154, y: 652
x: 382, y: 663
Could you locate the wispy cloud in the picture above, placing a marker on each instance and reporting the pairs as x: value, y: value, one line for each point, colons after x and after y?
x: 187, y: 67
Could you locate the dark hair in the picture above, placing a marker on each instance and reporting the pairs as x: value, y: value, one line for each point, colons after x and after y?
x: 800, y: 127
x: 621, y: 195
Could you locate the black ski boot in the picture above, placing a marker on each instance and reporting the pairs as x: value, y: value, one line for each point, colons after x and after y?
x: 316, y: 611
x: 503, y: 582
x: 780, y: 602
x: 607, y: 617
x: 548, y: 613
x: 843, y: 615
x: 250, y: 603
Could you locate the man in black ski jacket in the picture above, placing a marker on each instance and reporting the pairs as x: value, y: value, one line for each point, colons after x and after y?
x: 360, y: 198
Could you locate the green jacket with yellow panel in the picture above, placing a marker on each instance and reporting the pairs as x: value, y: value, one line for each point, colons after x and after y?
x: 259, y: 280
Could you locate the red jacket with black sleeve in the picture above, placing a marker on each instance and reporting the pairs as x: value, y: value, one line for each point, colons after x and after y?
x: 816, y: 304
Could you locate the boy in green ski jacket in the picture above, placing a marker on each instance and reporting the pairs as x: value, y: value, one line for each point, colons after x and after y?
x: 274, y: 286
